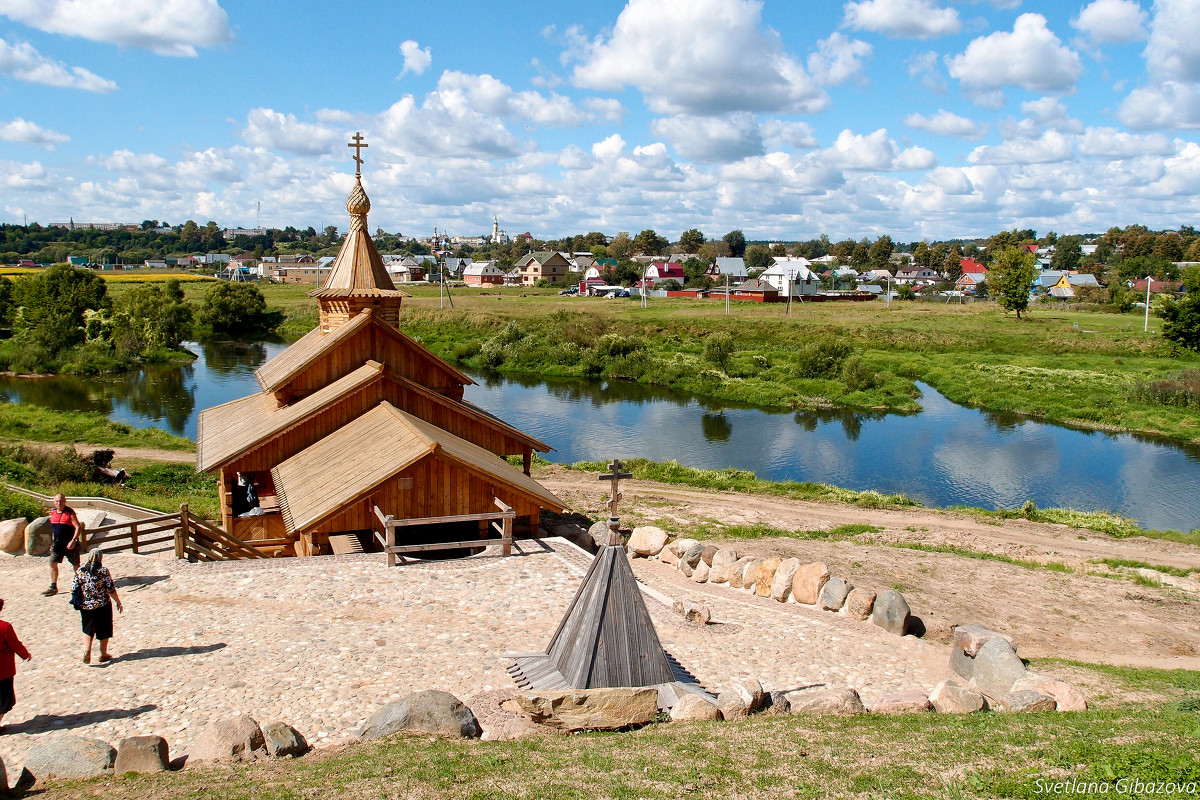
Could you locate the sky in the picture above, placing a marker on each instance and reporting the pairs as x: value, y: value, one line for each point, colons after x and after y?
x: 915, y: 118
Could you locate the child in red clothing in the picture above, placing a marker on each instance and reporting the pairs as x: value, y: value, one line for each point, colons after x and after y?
x: 10, y: 645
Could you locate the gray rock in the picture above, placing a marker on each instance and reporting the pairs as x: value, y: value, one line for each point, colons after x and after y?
x: 765, y: 576
x: 962, y: 664
x: 142, y: 754
x: 681, y: 546
x: 1026, y: 700
x: 700, y: 574
x: 906, y: 702
x: 688, y: 559
x: 834, y: 593
x: 740, y: 699
x: 722, y: 560
x: 12, y: 535
x: 775, y: 702
x: 969, y: 638
x: 823, y: 700
x: 810, y: 578
x: 955, y: 697
x: 860, y: 603
x: 738, y: 570
x: 38, y: 537
x: 996, y: 669
x: 67, y: 756
x: 707, y: 554
x: 891, y: 612
x: 694, y: 707
x: 692, y: 611
x: 283, y: 740
x: 647, y: 540
x: 590, y: 709
x: 1066, y: 697
x: 233, y: 739
x: 429, y: 711
x: 599, y: 532
x: 785, y: 574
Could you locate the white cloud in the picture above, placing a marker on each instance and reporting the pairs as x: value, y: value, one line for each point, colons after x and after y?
x: 921, y: 19
x: 925, y: 66
x: 778, y: 134
x: 416, y: 60
x: 1050, y: 147
x: 1030, y: 57
x: 23, y: 131
x: 275, y: 131
x: 1113, y: 143
x: 24, y: 62
x: 462, y: 92
x: 838, y: 59
x: 1045, y: 112
x: 1171, y: 98
x: 945, y: 123
x: 1112, y: 21
x: 698, y: 57
x: 1170, y: 104
x: 712, y: 139
x: 173, y: 28
x: 876, y: 151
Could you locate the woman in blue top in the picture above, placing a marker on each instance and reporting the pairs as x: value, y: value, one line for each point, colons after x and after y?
x: 95, y: 612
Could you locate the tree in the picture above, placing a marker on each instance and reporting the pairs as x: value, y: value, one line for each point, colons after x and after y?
x: 758, y: 257
x: 1181, y: 318
x: 921, y: 254
x: 1010, y: 276
x: 690, y: 241
x: 736, y: 241
x: 238, y: 309
x: 881, y: 252
x: 1068, y: 255
x: 861, y: 255
x: 52, y: 304
x: 151, y: 316
x: 952, y: 262
x: 621, y: 246
x: 649, y: 243
x: 778, y: 251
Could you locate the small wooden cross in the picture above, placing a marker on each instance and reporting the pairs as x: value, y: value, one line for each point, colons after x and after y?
x: 615, y: 475
x: 358, y: 144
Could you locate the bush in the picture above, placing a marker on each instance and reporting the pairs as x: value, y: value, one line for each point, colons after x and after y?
x: 719, y: 349
x: 238, y: 309
x: 857, y: 375
x: 14, y: 505
x: 823, y: 359
x: 1180, y: 391
x: 49, y: 464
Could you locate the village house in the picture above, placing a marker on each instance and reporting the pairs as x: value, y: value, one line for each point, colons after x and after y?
x: 793, y: 271
x: 728, y: 267
x: 916, y: 275
x: 360, y: 435
x: 660, y: 271
x: 483, y: 273
x: 756, y: 290
x: 971, y: 265
x: 969, y: 282
x: 552, y: 267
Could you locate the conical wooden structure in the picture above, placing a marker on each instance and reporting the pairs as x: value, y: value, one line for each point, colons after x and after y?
x: 606, y: 639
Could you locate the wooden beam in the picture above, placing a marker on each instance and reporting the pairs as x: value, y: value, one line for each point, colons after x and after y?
x: 400, y: 523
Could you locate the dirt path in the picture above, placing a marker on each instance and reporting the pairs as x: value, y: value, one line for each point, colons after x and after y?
x: 143, y: 453
x: 1075, y: 614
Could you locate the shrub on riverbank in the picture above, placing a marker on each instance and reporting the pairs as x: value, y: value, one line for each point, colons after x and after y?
x: 32, y: 423
x: 14, y: 505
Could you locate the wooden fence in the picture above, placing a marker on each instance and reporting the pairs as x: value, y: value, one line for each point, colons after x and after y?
x: 195, y: 539
x: 501, y: 521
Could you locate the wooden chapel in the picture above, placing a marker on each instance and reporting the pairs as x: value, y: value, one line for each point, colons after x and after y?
x: 359, y: 432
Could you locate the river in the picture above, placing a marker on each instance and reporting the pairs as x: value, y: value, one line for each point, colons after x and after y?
x: 945, y: 455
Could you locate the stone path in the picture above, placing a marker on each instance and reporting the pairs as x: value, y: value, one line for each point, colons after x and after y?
x: 321, y: 643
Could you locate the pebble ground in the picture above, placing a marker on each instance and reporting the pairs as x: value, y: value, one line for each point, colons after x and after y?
x: 321, y: 643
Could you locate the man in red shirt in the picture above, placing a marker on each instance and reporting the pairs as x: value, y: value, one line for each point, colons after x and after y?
x: 66, y: 529
x: 10, y: 645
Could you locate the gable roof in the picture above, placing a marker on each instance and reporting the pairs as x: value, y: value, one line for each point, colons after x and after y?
x: 971, y: 265
x: 755, y: 285
x: 313, y: 345
x: 368, y: 451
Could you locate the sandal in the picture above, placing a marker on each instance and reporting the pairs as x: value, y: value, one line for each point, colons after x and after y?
x: 87, y: 658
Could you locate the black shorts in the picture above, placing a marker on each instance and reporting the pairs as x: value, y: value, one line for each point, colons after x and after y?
x: 8, y: 698
x: 97, y: 622
x: 57, y: 554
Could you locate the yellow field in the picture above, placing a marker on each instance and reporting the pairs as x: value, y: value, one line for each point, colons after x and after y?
x: 113, y: 276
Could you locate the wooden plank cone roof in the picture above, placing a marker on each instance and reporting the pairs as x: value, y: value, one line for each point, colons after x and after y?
x: 606, y: 639
x: 358, y: 270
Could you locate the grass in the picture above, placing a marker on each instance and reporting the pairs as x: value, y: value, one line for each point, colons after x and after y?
x: 1100, y: 521
x: 37, y: 424
x: 1119, y: 563
x: 1028, y: 563
x: 715, y: 530
x: 155, y: 485
x: 909, y: 756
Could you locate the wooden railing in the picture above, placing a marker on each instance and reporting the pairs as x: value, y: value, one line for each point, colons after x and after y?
x: 195, y: 539
x: 501, y: 521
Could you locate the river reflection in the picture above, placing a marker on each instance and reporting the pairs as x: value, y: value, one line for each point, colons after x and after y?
x: 945, y: 455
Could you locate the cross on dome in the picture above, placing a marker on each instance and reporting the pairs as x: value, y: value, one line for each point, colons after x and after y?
x: 358, y: 144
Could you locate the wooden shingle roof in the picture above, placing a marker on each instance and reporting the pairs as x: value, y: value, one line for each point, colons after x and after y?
x: 227, y: 430
x: 326, y: 477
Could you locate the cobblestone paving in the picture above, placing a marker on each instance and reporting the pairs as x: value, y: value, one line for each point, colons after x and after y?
x: 321, y: 643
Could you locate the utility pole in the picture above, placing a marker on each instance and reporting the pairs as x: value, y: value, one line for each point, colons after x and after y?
x: 789, y: 291
x: 889, y: 297
x: 1146, y: 326
x: 727, y: 294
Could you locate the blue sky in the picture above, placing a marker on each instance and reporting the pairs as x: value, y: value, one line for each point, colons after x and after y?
x: 916, y: 118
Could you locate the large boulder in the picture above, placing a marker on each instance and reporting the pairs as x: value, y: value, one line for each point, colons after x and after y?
x: 955, y: 697
x: 834, y: 594
x: 12, y: 535
x: 996, y: 668
x: 429, y: 711
x: 765, y: 575
x: 781, y: 584
x: 283, y: 740
x: 66, y: 756
x: 681, y: 546
x: 891, y: 612
x: 1066, y: 697
x: 969, y: 638
x: 738, y: 571
x: 1025, y: 700
x: 741, y: 699
x: 647, y: 540
x: 750, y: 575
x: 859, y: 603
x: 722, y: 561
x: 692, y: 611
x: 823, y: 700
x: 906, y: 702
x: 233, y: 739
x: 706, y: 555
x: 38, y: 537
x: 590, y: 709
x: 667, y: 554
x: 700, y: 573
x: 599, y: 533
x: 142, y: 754
x: 809, y: 580
x: 694, y: 707
x: 689, y: 558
